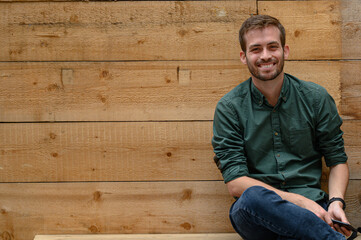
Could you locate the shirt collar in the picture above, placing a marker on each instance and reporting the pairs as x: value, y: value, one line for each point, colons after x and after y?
x: 259, y: 98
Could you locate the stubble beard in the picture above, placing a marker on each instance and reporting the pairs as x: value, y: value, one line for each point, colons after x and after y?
x: 256, y: 73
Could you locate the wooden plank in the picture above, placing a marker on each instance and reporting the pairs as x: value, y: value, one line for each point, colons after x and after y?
x: 122, y: 30
x: 207, y: 236
x: 313, y: 28
x: 193, y: 30
x: 135, y: 91
x: 351, y: 29
x: 125, y: 207
x: 351, y: 90
x: 114, y: 91
x: 114, y: 207
x: 197, y: 236
x: 135, y: 151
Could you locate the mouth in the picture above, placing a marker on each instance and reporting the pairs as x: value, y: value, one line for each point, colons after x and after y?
x: 266, y: 65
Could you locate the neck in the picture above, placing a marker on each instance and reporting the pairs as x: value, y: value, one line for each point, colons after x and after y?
x: 270, y: 89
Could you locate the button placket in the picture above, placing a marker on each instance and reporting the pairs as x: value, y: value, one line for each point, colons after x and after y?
x: 276, y: 137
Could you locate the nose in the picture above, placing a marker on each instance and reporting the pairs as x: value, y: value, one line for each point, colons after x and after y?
x: 265, y: 55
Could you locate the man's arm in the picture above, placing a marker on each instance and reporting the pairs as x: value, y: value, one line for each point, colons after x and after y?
x: 237, y: 186
x: 337, y: 185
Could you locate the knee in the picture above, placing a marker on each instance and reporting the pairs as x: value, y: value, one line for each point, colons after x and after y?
x: 255, y: 197
x: 254, y: 192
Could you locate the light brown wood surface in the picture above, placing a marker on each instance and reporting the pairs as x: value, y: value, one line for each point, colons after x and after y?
x: 135, y: 91
x: 351, y: 29
x: 173, y: 30
x: 351, y: 90
x: 122, y: 30
x: 114, y: 207
x: 198, y: 236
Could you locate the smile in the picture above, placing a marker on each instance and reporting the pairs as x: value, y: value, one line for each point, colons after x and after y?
x: 266, y: 66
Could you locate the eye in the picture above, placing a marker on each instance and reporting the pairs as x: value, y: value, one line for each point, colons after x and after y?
x: 254, y: 50
x: 273, y: 47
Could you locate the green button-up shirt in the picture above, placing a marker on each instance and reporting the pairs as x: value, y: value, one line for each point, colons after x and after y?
x: 282, y: 145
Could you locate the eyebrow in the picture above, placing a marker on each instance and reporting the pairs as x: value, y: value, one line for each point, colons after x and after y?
x: 270, y: 43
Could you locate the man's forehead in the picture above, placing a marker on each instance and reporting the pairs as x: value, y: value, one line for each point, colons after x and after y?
x: 269, y: 34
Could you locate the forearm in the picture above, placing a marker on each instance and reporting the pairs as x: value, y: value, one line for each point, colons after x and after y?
x: 237, y: 186
x: 338, y: 180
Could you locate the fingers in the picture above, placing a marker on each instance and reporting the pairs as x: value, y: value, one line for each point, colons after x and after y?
x: 345, y: 232
x: 342, y: 230
x: 327, y: 219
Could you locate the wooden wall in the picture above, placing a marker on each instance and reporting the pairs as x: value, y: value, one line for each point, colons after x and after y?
x: 106, y: 108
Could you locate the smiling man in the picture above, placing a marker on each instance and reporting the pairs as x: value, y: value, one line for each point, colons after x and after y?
x: 270, y: 134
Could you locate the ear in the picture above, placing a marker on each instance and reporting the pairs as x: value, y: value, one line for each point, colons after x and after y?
x: 286, y: 51
x: 243, y: 57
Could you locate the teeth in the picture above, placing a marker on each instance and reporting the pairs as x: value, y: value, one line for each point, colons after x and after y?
x: 267, y: 66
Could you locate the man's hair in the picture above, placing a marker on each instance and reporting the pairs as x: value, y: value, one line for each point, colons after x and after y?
x: 260, y: 22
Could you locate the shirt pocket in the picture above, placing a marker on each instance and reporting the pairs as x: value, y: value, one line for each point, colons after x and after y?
x: 301, y: 141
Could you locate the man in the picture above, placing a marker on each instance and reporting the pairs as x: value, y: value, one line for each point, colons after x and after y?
x: 270, y: 134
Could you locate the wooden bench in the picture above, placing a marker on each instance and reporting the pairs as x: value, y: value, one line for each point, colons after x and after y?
x: 205, y: 236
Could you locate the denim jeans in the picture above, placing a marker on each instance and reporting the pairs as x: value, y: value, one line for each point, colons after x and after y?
x: 261, y: 214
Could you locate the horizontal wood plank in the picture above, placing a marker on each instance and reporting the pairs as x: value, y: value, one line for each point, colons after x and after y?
x: 127, y: 207
x: 351, y: 29
x: 135, y: 151
x: 138, y: 151
x: 173, y: 30
x: 114, y: 207
x: 306, y: 22
x: 135, y: 91
x: 122, y: 30
x: 197, y: 236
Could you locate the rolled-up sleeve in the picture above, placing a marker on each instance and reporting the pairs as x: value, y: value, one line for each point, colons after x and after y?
x: 328, y: 130
x: 228, y: 143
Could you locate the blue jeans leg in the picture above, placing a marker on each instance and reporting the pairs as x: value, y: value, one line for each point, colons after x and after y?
x: 261, y: 214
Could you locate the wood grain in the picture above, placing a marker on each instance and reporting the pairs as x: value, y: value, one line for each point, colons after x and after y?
x: 114, y: 207
x: 196, y: 236
x: 122, y: 30
x: 351, y: 29
x: 193, y: 30
x: 135, y: 151
x: 132, y: 91
x: 351, y: 90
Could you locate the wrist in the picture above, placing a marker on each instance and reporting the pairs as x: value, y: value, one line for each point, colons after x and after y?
x: 337, y: 201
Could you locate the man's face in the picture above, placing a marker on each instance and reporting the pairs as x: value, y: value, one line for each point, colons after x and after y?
x: 264, y: 53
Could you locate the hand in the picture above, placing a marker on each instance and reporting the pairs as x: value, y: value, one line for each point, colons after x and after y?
x: 336, y: 212
x: 318, y: 211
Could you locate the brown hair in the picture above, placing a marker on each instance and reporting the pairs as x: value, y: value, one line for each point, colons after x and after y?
x: 259, y: 22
